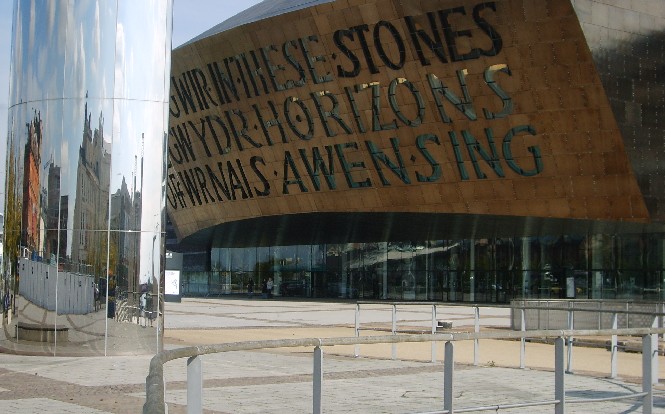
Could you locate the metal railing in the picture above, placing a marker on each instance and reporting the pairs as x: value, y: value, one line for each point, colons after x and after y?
x: 155, y: 385
x: 570, y: 309
x: 594, y: 313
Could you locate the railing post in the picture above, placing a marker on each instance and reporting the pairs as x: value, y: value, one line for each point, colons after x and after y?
x: 627, y: 315
x: 433, y: 332
x: 154, y: 390
x: 647, y: 387
x: 571, y: 326
x: 356, y: 351
x: 654, y: 353
x: 559, y: 377
x: 476, y: 329
x: 317, y: 380
x: 194, y: 385
x: 662, y: 318
x: 394, y: 331
x: 523, y: 340
x: 448, y: 368
x: 614, y: 347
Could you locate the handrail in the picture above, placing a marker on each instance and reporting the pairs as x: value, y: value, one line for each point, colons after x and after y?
x: 155, y: 379
x: 502, y: 305
x: 657, y: 320
x: 518, y: 307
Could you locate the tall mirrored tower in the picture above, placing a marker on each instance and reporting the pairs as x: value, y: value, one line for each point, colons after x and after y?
x: 84, y: 206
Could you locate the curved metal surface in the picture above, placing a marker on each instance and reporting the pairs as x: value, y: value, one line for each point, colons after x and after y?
x: 85, y: 195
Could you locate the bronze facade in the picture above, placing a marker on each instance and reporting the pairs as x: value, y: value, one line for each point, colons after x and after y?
x: 490, y: 123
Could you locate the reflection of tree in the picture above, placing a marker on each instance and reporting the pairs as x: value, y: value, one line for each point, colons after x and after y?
x: 13, y: 209
x: 97, y: 255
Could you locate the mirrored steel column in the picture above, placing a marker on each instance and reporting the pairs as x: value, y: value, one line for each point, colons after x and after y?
x: 84, y: 207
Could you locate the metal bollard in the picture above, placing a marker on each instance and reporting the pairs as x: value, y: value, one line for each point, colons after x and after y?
x: 571, y: 326
x: 654, y: 353
x: 448, y: 368
x: 434, y: 323
x: 522, y: 340
x: 356, y: 350
x: 614, y: 347
x: 317, y: 380
x: 194, y: 385
x: 394, y: 331
x: 647, y: 386
x: 476, y: 329
x: 559, y: 377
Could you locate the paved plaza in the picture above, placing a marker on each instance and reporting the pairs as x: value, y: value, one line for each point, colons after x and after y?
x: 279, y: 380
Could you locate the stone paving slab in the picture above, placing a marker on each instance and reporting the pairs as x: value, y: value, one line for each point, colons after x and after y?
x: 44, y: 405
x: 83, y: 371
x: 279, y: 380
x: 385, y: 386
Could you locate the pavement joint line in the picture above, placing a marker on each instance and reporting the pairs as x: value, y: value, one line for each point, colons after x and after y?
x: 286, y: 373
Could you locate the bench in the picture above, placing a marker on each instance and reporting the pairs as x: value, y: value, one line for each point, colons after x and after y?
x: 41, y: 332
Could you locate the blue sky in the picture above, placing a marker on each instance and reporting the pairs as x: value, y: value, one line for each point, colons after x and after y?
x: 193, y: 17
x: 190, y: 18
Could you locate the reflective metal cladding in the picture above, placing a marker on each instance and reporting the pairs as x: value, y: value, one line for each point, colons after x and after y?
x: 84, y: 208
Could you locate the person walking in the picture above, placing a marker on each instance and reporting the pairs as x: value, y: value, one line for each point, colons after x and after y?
x: 5, y: 305
x: 269, y: 286
x: 250, y: 288
x: 142, y: 307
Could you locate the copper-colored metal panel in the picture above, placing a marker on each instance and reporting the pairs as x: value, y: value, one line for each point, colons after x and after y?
x: 441, y: 107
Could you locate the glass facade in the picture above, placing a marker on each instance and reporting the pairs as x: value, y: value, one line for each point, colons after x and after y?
x: 85, y: 197
x: 481, y: 270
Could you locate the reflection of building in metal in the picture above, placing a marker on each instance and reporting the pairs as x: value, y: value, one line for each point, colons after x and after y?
x: 82, y: 223
x: 52, y: 214
x: 125, y: 204
x: 38, y: 285
x: 31, y: 196
x: 2, y: 250
x: 91, y: 207
x: 56, y: 216
x: 467, y: 151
